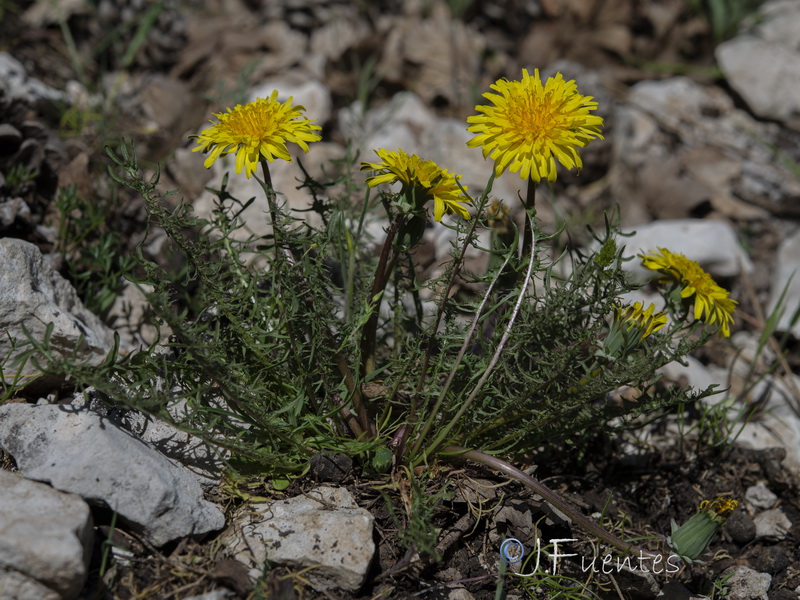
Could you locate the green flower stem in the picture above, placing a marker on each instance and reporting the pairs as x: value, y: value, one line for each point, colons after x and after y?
x: 273, y: 209
x: 444, y: 432
x: 358, y: 399
x: 382, y: 273
x: 282, y: 251
x: 530, y: 209
x: 401, y: 444
x: 551, y: 498
x: 467, y: 339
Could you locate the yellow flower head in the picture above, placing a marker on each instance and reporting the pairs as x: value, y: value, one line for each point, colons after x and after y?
x: 422, y: 179
x: 531, y: 125
x: 634, y: 316
x: 258, y: 129
x: 711, y: 302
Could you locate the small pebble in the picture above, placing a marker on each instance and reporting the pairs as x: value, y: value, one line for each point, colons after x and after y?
x: 741, y: 528
x: 772, y: 524
x: 760, y: 496
x: 331, y: 466
x: 771, y: 559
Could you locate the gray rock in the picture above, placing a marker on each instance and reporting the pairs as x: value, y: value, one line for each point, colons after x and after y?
x: 82, y: 453
x: 284, y: 175
x: 187, y: 451
x: 324, y: 529
x: 760, y: 496
x: 772, y: 524
x: 334, y: 467
x: 762, y: 65
x: 741, y: 528
x: 46, y: 540
x: 777, y: 426
x: 771, y: 559
x: 18, y: 86
x: 16, y: 586
x: 395, y: 125
x: 786, y: 282
x: 33, y: 295
x: 10, y: 139
x: 205, y: 462
x: 693, y: 373
x: 459, y: 594
x: 747, y: 584
x: 130, y: 314
x: 720, y: 162
x: 13, y: 209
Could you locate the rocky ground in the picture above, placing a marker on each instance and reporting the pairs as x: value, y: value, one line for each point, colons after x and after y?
x: 701, y: 154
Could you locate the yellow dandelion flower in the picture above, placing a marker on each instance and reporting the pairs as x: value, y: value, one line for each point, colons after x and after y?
x: 423, y: 179
x: 711, y: 302
x: 259, y: 129
x: 635, y: 316
x: 531, y: 125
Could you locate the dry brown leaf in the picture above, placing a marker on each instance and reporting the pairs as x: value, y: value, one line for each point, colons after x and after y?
x: 435, y: 57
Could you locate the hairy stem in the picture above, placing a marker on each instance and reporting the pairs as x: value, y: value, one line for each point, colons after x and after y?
x: 530, y: 208
x: 284, y: 252
x: 444, y: 432
x: 382, y: 273
x: 551, y: 498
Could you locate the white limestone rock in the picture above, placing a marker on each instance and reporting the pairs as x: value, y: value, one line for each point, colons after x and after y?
x: 17, y: 85
x: 680, y: 147
x: 772, y: 524
x: 786, y: 283
x: 746, y: 584
x: 760, y: 496
x: 16, y: 586
x: 46, y: 540
x: 777, y: 425
x: 395, y: 125
x: 255, y: 220
x: 187, y: 451
x: 762, y: 64
x: 324, y: 529
x: 85, y: 454
x: 33, y: 295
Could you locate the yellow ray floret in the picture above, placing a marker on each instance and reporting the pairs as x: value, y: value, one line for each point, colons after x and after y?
x: 711, y: 302
x: 529, y: 126
x: 423, y: 178
x: 258, y: 129
x: 645, y: 320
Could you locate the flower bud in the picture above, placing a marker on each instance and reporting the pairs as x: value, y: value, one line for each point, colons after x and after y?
x: 690, y: 540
